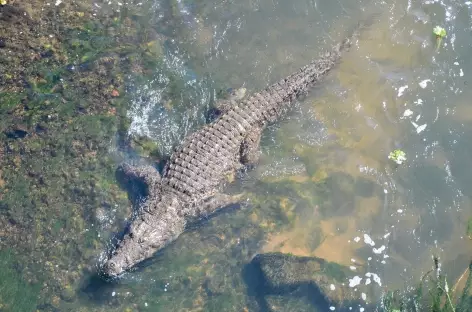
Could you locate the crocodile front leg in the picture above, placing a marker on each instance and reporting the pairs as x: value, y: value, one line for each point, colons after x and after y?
x: 249, y: 152
x: 234, y: 95
x: 147, y: 175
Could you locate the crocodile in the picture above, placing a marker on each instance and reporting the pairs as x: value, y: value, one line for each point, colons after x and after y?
x: 191, y: 182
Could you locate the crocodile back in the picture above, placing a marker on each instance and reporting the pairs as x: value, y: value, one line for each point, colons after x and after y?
x: 197, y: 167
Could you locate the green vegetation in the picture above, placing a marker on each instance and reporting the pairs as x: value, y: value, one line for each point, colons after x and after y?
x: 398, y: 156
x: 16, y: 295
x: 469, y: 228
x: 433, y: 294
x: 440, y: 34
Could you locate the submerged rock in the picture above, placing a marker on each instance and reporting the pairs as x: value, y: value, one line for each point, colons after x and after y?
x: 320, y: 283
x: 16, y: 132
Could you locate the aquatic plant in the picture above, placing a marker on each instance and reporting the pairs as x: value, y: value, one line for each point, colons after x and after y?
x: 397, y: 156
x: 440, y: 33
x: 469, y: 228
x: 432, y: 294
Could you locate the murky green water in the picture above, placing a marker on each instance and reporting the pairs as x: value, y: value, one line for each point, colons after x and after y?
x: 324, y: 186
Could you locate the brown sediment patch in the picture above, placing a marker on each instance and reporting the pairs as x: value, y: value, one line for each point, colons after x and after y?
x: 368, y: 207
x: 338, y: 247
x: 330, y: 239
x: 333, y: 246
x: 294, y: 241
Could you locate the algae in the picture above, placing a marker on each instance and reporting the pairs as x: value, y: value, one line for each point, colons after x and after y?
x: 58, y: 116
x: 16, y: 294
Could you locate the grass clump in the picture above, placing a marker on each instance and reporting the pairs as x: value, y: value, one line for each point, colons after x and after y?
x: 432, y: 295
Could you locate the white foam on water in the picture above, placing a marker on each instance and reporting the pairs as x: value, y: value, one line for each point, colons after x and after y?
x: 375, y: 277
x: 378, y: 250
x: 424, y: 83
x: 356, y: 280
x: 407, y: 113
x: 421, y: 128
x: 401, y: 90
x: 368, y: 240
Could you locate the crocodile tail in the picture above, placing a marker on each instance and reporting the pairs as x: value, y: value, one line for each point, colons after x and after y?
x: 352, y: 37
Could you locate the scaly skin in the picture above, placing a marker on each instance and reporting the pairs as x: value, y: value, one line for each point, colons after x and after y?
x: 189, y: 188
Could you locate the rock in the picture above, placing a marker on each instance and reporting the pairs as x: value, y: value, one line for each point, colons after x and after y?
x: 3, y: 43
x: 46, y: 54
x: 68, y: 294
x: 145, y: 146
x: 318, y: 281
x: 12, y: 14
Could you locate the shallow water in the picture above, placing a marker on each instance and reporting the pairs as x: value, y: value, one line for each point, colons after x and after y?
x: 324, y: 186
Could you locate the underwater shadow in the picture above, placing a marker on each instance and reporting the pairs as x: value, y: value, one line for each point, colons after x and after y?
x: 259, y: 288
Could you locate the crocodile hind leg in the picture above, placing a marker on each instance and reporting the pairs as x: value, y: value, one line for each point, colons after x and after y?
x: 210, y: 206
x: 146, y: 175
x: 249, y: 152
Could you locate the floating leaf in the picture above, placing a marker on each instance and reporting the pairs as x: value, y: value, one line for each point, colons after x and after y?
x: 397, y: 156
x: 439, y: 31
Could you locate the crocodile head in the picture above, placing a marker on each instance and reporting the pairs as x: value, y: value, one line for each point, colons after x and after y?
x: 151, y: 231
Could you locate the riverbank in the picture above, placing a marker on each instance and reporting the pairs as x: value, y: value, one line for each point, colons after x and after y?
x: 63, y: 100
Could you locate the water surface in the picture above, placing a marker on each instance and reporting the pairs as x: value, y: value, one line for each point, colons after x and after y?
x: 324, y: 186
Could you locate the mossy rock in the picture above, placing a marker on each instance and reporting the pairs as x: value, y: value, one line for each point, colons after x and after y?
x: 319, y: 282
x: 144, y: 146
